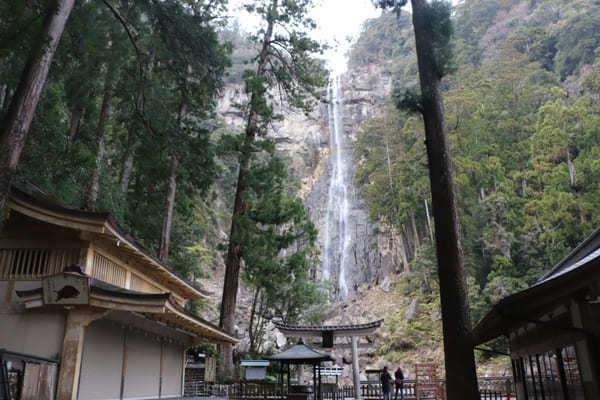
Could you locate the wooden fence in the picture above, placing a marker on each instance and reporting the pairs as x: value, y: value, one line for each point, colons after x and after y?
x: 494, y: 388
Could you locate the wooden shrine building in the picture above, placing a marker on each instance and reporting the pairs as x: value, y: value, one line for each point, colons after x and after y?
x: 328, y: 335
x: 300, y: 354
x: 553, y: 329
x: 112, y: 325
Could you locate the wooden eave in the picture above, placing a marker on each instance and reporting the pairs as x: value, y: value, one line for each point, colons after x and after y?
x: 524, y: 306
x: 105, y: 225
x: 157, y: 307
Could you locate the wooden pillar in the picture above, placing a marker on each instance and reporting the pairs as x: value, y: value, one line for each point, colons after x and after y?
x: 355, y: 370
x: 281, y: 376
x: 320, y: 397
x: 124, y: 364
x: 162, y: 368
x: 586, y: 350
x: 561, y: 373
x: 301, y: 379
x: 87, y: 261
x: 70, y: 361
x: 314, y: 381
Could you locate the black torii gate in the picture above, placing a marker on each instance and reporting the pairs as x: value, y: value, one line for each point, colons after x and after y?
x: 328, y: 333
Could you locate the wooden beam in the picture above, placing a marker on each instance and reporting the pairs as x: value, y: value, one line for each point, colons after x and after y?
x: 361, y: 346
x: 586, y: 348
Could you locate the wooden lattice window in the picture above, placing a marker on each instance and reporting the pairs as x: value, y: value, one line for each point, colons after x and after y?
x: 109, y: 271
x: 141, y: 285
x: 34, y: 263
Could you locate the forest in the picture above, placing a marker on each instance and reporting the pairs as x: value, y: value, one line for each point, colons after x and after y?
x: 126, y: 122
x: 523, y: 121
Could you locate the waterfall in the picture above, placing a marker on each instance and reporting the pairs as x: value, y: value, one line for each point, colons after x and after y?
x: 338, y: 235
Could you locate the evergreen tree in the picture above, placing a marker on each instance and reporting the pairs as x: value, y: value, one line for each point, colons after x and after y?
x: 16, y: 123
x: 433, y: 30
x: 284, y: 64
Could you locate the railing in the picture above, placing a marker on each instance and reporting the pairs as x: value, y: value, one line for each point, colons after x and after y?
x: 236, y: 391
x: 107, y: 270
x: 491, y: 388
x: 34, y: 263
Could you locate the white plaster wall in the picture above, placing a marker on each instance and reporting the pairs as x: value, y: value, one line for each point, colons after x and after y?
x: 32, y: 332
x: 143, y: 366
x: 102, y: 361
x: 172, y: 373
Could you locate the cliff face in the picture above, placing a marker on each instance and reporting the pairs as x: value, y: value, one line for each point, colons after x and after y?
x: 305, y: 141
x: 362, y: 93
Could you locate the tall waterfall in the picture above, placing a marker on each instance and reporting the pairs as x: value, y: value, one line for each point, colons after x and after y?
x: 338, y: 235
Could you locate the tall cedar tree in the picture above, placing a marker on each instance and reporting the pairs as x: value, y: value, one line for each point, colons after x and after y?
x: 284, y: 64
x: 183, y: 64
x: 433, y: 31
x: 22, y: 107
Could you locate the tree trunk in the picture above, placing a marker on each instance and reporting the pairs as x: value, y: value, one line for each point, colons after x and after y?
x: 403, y: 255
x: 389, y: 165
x: 428, y: 220
x: 92, y: 193
x: 3, y: 95
x: 251, y: 323
x: 76, y: 117
x: 409, y: 246
x: 165, y: 235
x: 23, y: 103
x: 461, y: 379
x: 240, y: 207
x: 127, y: 168
x: 572, y: 171
x: 415, y: 232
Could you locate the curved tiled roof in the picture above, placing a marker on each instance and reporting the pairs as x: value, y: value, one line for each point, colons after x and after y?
x: 300, y: 354
x: 330, y: 328
x: 103, y: 223
x: 98, y: 287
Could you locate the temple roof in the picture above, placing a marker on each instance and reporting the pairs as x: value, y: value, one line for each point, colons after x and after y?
x: 105, y: 225
x: 578, y: 269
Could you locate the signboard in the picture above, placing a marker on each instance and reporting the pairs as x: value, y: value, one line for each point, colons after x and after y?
x: 66, y: 289
x: 327, y: 339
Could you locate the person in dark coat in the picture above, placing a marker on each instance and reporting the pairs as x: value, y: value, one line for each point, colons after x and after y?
x: 399, y: 381
x: 386, y: 383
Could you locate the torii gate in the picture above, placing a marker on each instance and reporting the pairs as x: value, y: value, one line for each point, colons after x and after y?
x: 328, y: 333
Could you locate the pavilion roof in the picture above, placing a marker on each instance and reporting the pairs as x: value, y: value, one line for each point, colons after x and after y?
x: 300, y: 354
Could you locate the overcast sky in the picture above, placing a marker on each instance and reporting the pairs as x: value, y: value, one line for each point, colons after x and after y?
x: 338, y: 22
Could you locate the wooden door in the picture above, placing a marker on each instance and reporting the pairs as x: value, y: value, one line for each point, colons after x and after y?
x: 39, y: 381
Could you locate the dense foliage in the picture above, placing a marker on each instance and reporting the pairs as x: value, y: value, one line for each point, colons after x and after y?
x: 130, y: 103
x: 524, y: 122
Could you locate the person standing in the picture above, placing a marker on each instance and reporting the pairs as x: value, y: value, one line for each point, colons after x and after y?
x: 399, y: 381
x: 386, y: 383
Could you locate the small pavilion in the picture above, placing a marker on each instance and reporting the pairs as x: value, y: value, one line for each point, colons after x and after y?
x: 328, y: 333
x: 301, y: 354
